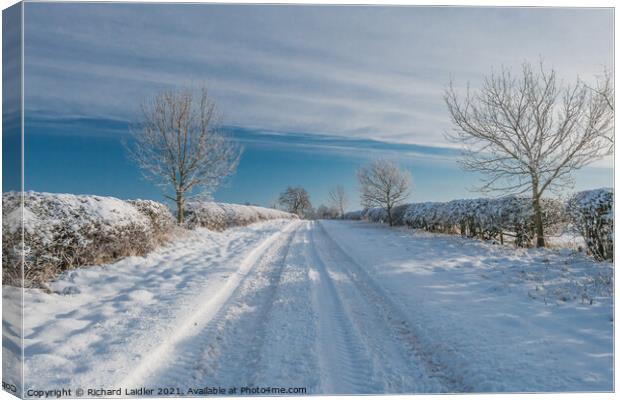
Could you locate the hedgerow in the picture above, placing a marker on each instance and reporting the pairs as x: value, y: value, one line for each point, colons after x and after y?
x: 65, y: 231
x: 592, y: 215
x: 220, y: 216
x: 482, y: 218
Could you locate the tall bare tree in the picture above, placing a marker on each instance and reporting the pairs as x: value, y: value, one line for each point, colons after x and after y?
x: 383, y: 184
x: 605, y: 88
x: 338, y: 199
x: 295, y: 200
x: 177, y: 145
x: 529, y: 133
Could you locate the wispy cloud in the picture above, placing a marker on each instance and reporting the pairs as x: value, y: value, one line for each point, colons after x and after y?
x: 365, y: 72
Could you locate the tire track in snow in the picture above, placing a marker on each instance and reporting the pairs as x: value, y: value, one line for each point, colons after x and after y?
x: 398, y: 359
x: 344, y: 366
x: 161, y: 358
x: 285, y: 358
x: 226, y: 351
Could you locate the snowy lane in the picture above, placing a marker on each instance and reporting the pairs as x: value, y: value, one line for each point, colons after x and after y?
x: 169, y: 363
x: 344, y: 364
x: 382, y: 348
x: 487, y: 318
x: 334, y: 307
x: 302, y: 293
x: 116, y: 316
x: 302, y: 316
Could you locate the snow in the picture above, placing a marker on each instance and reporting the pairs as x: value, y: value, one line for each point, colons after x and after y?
x: 54, y: 208
x: 333, y: 306
x: 594, y: 197
x: 64, y: 231
x: 15, y: 218
x: 219, y: 216
x: 511, y: 213
x: 117, y: 314
x: 585, y: 221
x: 44, y: 214
x: 496, y: 318
x: 568, y: 239
x: 592, y: 215
x: 487, y: 218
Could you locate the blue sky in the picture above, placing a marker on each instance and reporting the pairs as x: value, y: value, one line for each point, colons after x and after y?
x: 311, y: 92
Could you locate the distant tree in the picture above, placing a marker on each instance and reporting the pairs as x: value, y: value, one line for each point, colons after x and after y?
x: 530, y: 133
x: 383, y: 184
x: 295, y: 200
x: 321, y: 212
x: 338, y: 199
x: 325, y: 212
x: 177, y: 145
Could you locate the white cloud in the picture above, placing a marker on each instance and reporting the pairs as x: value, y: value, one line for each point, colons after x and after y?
x: 368, y: 72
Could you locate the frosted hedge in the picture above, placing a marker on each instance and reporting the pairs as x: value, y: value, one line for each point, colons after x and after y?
x: 487, y: 218
x: 483, y: 218
x: 592, y: 215
x: 63, y: 231
x: 219, y: 216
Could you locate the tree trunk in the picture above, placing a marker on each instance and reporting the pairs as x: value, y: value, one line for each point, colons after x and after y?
x: 389, y: 213
x: 180, y: 207
x: 538, y: 220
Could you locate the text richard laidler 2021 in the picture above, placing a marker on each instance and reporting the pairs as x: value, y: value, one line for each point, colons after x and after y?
x: 167, y: 391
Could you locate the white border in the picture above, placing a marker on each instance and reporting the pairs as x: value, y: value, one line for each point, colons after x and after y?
x: 479, y: 3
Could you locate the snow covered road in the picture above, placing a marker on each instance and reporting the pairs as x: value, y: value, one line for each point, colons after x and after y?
x: 297, y: 305
x: 330, y: 306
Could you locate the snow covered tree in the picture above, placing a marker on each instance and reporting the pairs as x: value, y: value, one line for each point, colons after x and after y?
x: 530, y: 133
x: 177, y: 145
x: 295, y: 200
x: 383, y: 184
x: 338, y: 199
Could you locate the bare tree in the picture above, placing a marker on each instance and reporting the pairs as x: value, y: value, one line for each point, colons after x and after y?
x: 327, y: 212
x: 296, y: 200
x: 529, y: 133
x: 605, y: 88
x: 338, y: 199
x: 177, y: 145
x: 383, y: 184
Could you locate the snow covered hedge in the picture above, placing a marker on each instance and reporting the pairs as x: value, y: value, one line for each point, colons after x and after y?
x: 219, y: 216
x: 484, y: 218
x: 162, y: 220
x: 487, y: 218
x: 375, y: 214
x: 592, y: 215
x: 355, y: 215
x: 378, y: 214
x: 64, y: 231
